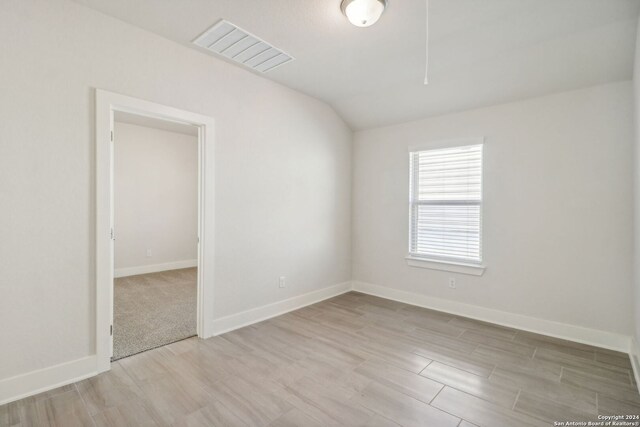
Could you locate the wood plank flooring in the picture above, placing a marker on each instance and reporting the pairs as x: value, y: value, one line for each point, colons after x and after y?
x: 353, y: 360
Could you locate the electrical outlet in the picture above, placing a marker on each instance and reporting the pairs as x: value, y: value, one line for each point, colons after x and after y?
x: 452, y: 282
x: 282, y: 282
x: 148, y: 252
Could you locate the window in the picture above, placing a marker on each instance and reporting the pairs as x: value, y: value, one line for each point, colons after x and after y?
x: 446, y: 205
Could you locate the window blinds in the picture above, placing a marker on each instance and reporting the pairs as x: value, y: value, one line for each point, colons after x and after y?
x: 446, y: 204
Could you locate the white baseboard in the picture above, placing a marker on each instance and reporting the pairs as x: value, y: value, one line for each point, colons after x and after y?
x: 550, y: 328
x: 46, y: 379
x: 255, y: 315
x: 155, y: 268
x: 634, y: 355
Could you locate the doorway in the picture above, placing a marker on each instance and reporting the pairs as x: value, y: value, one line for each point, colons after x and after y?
x: 111, y: 110
x: 155, y: 199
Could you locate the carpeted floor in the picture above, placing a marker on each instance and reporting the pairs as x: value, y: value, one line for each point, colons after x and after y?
x: 151, y: 310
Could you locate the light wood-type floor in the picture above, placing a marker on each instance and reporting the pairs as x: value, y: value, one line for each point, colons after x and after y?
x: 353, y: 360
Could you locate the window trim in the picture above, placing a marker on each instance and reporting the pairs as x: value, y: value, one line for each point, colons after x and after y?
x: 453, y: 265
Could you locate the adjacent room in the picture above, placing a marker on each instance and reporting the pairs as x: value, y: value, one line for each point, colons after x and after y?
x: 319, y: 213
x: 155, y: 202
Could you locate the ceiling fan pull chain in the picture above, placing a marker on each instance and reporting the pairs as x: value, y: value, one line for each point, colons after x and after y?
x: 426, y: 64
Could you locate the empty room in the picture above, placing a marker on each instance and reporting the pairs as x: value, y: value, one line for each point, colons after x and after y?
x: 319, y: 213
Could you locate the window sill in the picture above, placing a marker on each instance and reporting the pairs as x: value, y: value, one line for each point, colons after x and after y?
x: 455, y: 267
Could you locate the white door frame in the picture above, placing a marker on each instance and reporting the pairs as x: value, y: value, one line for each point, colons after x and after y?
x: 106, y: 104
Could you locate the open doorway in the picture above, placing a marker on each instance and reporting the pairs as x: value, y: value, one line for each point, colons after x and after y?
x: 155, y: 197
x: 149, y: 276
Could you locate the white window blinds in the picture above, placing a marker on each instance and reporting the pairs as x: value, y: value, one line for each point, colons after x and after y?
x: 446, y: 204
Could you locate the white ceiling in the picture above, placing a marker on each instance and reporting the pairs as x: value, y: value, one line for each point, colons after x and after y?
x: 481, y: 52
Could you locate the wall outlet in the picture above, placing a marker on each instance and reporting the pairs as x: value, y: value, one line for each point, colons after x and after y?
x: 452, y: 282
x: 282, y: 282
x: 148, y: 252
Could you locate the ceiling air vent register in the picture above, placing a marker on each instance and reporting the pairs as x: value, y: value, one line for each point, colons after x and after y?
x: 236, y: 44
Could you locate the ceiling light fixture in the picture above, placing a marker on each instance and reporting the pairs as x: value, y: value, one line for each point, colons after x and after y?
x: 363, y: 13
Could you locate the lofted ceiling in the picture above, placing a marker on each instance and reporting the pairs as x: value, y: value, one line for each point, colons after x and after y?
x: 481, y: 52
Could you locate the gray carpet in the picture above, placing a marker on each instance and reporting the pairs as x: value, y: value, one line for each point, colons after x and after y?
x: 151, y: 310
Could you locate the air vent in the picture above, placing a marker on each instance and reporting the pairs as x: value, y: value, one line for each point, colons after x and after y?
x: 236, y: 44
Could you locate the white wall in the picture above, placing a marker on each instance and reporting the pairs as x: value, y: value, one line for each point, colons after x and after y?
x: 156, y: 197
x: 557, y: 212
x: 282, y: 177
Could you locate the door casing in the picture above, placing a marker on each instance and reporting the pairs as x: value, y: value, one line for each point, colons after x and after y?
x: 106, y: 104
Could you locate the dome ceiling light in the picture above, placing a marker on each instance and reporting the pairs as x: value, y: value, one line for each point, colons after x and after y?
x: 363, y: 13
